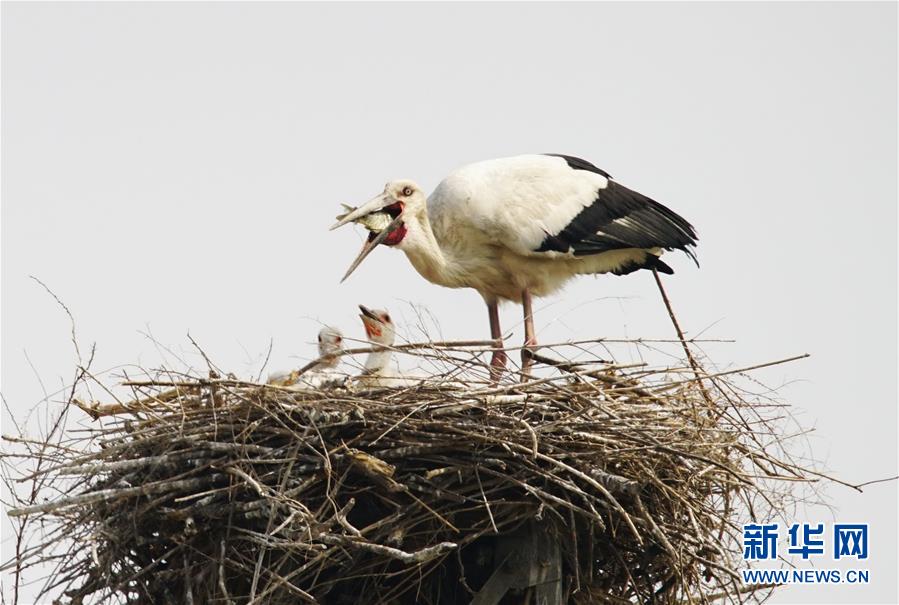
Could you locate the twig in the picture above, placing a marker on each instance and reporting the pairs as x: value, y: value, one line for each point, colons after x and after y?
x: 414, y: 558
x: 697, y: 372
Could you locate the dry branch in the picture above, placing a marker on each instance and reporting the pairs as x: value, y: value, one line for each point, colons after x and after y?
x: 217, y: 490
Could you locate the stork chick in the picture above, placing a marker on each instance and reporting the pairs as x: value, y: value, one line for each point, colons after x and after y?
x: 324, y: 372
x: 380, y: 331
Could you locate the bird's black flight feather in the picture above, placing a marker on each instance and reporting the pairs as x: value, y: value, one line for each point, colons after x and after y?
x: 579, y: 164
x: 622, y: 218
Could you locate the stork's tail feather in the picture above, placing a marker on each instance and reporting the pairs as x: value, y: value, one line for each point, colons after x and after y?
x: 654, y: 262
x: 650, y: 261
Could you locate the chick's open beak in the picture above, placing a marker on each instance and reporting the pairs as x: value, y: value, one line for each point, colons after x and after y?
x: 370, y: 321
x: 366, y: 312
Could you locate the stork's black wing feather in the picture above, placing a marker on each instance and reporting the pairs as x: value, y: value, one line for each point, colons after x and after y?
x: 622, y: 218
x: 579, y: 164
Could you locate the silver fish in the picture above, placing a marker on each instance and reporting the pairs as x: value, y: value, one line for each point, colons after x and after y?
x: 374, y: 222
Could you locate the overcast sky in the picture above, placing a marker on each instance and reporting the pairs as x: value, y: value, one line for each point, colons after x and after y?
x: 174, y: 167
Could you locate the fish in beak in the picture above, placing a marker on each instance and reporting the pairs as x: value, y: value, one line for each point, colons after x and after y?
x: 382, y: 216
x: 353, y: 215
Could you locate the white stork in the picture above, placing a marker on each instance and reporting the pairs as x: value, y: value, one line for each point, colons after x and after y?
x: 324, y: 372
x: 378, y: 370
x: 518, y: 227
x: 380, y: 332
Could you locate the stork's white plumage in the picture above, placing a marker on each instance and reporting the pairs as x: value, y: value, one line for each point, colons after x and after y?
x: 517, y: 227
x: 324, y: 372
x: 330, y: 344
x: 378, y: 370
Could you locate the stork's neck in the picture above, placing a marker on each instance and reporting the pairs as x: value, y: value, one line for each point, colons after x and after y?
x: 425, y: 252
x: 327, y: 361
x: 377, y: 361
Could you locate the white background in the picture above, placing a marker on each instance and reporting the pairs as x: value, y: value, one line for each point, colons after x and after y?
x: 174, y: 167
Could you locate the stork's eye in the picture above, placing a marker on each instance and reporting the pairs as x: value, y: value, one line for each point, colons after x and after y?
x: 338, y: 340
x: 319, y: 338
x: 386, y: 317
x: 407, y: 190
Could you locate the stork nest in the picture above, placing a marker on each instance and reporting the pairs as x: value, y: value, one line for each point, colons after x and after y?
x: 217, y: 490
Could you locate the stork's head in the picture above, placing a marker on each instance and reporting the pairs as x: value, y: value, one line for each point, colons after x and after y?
x: 400, y: 201
x: 330, y: 342
x: 378, y: 326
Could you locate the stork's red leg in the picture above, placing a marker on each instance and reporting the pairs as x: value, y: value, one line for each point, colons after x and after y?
x: 530, y: 339
x: 498, y: 361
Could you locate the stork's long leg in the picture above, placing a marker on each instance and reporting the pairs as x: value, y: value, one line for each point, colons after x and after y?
x: 498, y: 361
x: 530, y: 339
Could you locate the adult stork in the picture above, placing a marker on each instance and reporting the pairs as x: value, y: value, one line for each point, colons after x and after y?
x: 513, y: 228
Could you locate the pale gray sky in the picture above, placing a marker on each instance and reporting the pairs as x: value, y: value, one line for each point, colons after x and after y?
x: 172, y: 167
